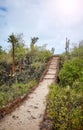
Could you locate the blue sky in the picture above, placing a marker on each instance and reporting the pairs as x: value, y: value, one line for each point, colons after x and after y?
x: 50, y: 20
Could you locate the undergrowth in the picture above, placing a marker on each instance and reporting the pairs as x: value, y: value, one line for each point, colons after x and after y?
x: 64, y: 102
x: 9, y: 93
x: 64, y: 108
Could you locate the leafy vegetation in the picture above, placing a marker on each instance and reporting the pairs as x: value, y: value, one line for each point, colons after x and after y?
x: 20, y: 67
x: 9, y: 93
x: 71, y: 72
x: 64, y: 102
x: 65, y: 108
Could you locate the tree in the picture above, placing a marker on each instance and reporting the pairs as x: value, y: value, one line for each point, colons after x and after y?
x: 67, y: 46
x: 33, y: 41
x: 1, y: 50
x: 77, y: 51
x: 18, y: 50
x: 3, y: 54
x: 52, y: 50
x: 13, y: 40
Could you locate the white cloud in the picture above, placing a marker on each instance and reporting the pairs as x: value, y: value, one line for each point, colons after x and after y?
x: 50, y: 20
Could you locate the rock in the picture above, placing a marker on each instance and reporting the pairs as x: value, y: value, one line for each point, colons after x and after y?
x: 35, y: 107
x: 47, y: 125
x: 33, y: 117
x: 13, y: 116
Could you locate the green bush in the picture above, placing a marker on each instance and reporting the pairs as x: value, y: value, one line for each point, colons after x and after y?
x: 77, y: 52
x: 14, y: 91
x: 64, y: 107
x: 64, y: 102
x: 71, y: 71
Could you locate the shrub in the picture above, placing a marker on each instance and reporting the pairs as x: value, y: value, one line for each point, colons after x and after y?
x: 64, y: 107
x: 71, y: 71
x: 8, y: 94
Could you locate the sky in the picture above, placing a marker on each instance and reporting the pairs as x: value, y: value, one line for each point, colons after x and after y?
x: 50, y: 20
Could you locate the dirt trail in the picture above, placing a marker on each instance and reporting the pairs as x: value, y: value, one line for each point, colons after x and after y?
x: 29, y: 115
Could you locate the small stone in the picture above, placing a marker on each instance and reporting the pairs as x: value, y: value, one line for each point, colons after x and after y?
x: 35, y: 107
x: 40, y: 116
x: 13, y: 116
x: 33, y: 117
x: 28, y: 111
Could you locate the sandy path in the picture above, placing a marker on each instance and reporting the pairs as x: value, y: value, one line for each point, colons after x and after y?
x: 29, y: 115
